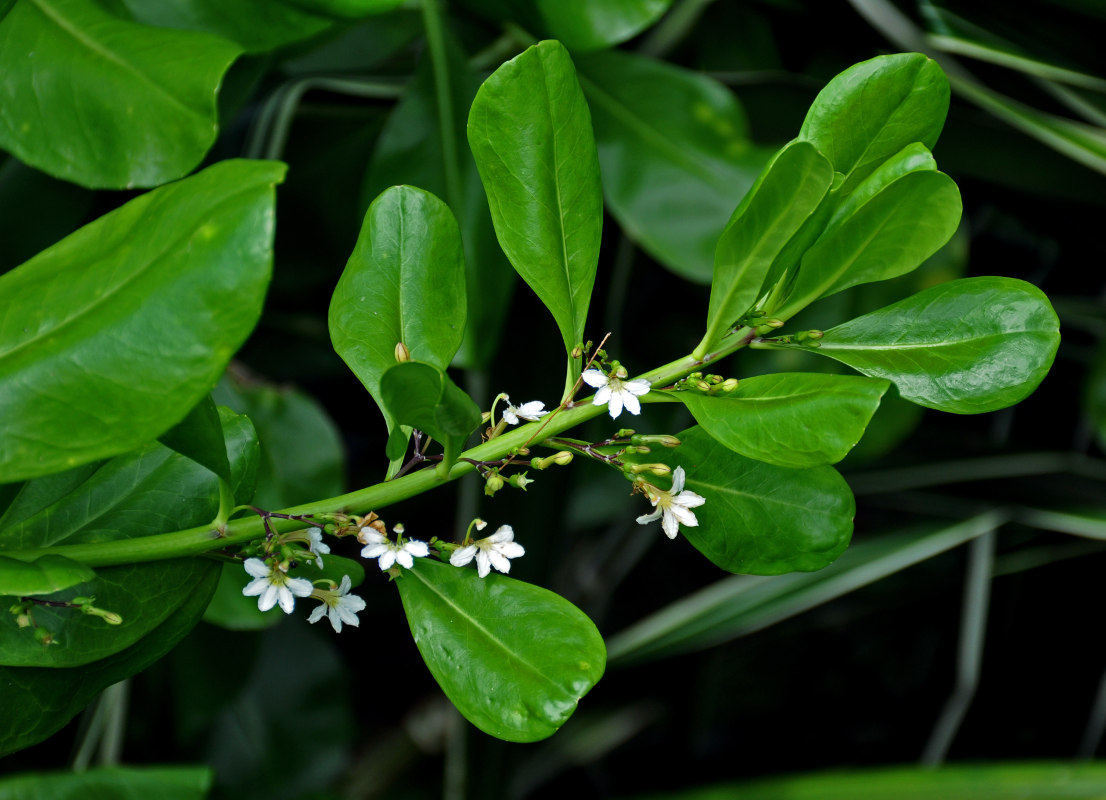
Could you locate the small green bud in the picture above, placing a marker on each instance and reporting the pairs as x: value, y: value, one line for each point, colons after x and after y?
x: 662, y: 439
x: 110, y: 617
x: 44, y: 637
x: 624, y: 433
x: 493, y: 483
x: 519, y: 481
x: 634, y: 449
x: 23, y: 621
x: 701, y: 385
x: 577, y: 351
x: 402, y: 353
x: 652, y: 469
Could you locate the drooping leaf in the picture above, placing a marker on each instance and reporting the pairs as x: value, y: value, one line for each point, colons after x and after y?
x: 105, y: 102
x: 759, y: 518
x: 892, y: 233
x: 145, y: 307
x: 256, y: 25
x: 411, y: 150
x: 586, y: 25
x: 151, y: 491
x: 790, y: 419
x: 874, y: 109
x: 530, y: 132
x: 966, y: 346
x: 422, y: 396
x: 404, y: 283
x: 117, y: 783
x: 44, y: 575
x: 676, y: 155
x: 783, y: 198
x: 515, y: 659
x: 37, y: 701
x: 199, y: 436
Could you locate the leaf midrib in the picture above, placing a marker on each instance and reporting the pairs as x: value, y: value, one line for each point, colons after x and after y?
x: 570, y: 294
x: 824, y: 345
x: 90, y: 43
x: 761, y: 498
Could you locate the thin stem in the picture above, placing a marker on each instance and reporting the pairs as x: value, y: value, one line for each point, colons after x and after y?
x: 435, y: 42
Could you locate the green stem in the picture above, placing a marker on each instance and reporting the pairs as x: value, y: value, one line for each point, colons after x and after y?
x: 435, y: 42
x: 202, y: 539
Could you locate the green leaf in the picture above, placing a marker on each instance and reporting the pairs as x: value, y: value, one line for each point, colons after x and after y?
x: 737, y: 606
x: 37, y: 701
x: 675, y: 152
x: 423, y: 396
x: 151, y: 491
x: 785, y: 195
x: 587, y: 25
x: 45, y: 575
x: 256, y: 25
x: 790, y: 419
x: 966, y: 346
x: 102, y: 101
x: 759, y: 518
x: 874, y: 109
x: 404, y: 283
x: 889, y: 235
x: 146, y: 306
x: 301, y: 448
x: 530, y: 132
x: 515, y: 659
x: 411, y: 150
x: 199, y: 436
x: 117, y: 783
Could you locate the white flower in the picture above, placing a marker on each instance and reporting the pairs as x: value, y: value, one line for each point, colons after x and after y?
x: 339, y: 605
x: 490, y: 552
x: 675, y: 505
x: 532, y: 411
x: 616, y: 392
x: 317, y: 546
x: 274, y: 586
x: 388, y: 552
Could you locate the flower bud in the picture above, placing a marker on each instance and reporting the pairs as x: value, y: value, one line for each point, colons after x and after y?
x: 652, y: 469
x: 23, y: 621
x: 656, y: 438
x: 402, y: 353
x: 560, y: 458
x: 44, y: 637
x: 577, y: 351
x: 624, y: 433
x: 701, y: 385
x: 493, y: 483
x: 519, y: 481
x: 728, y: 385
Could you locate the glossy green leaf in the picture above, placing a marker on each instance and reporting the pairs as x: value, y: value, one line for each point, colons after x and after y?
x: 302, y: 458
x: 411, y: 150
x: 144, y: 308
x: 1022, y: 780
x: 515, y: 659
x: 676, y: 155
x: 760, y: 518
x: 256, y: 25
x: 153, y: 490
x: 790, y: 419
x: 785, y: 195
x: 116, y: 783
x: 587, y: 25
x: 740, y: 605
x: 37, y: 701
x: 44, y: 575
x: 404, y: 283
x: 422, y: 396
x: 199, y: 436
x: 105, y: 102
x: 874, y: 109
x: 966, y: 346
x: 530, y: 132
x: 891, y: 234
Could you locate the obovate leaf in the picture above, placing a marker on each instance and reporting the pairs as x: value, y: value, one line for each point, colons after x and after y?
x: 105, y: 102
x: 153, y: 490
x: 143, y: 309
x: 37, y: 701
x: 515, y: 659
x: 199, y: 436
x: 45, y: 575
x: 874, y: 109
x: 257, y: 25
x: 783, y: 198
x: 530, y: 132
x: 586, y: 25
x: 675, y: 152
x: 403, y: 284
x: 759, y: 518
x: 422, y: 396
x: 117, y: 783
x: 790, y: 419
x: 966, y: 346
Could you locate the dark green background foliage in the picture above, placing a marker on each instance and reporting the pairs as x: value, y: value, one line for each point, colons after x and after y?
x: 849, y: 666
